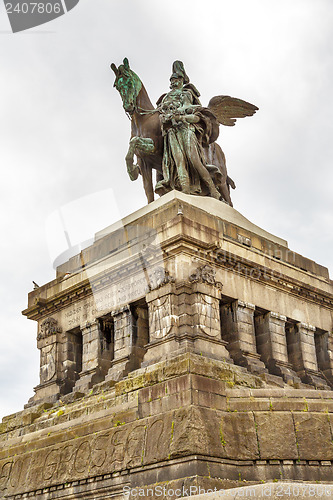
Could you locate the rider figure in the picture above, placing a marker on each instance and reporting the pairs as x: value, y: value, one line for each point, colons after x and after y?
x: 186, y: 127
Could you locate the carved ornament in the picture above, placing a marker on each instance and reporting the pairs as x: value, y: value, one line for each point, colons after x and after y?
x: 205, y: 274
x: 159, y: 277
x: 48, y: 327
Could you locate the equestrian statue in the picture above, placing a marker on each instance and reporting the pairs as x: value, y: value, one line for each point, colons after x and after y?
x: 177, y: 138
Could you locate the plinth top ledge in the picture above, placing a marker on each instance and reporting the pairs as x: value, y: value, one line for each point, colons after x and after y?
x: 209, y: 205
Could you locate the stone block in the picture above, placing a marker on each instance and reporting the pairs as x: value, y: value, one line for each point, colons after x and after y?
x: 313, y: 435
x: 237, y: 404
x: 238, y: 436
x: 208, y: 385
x: 276, y: 435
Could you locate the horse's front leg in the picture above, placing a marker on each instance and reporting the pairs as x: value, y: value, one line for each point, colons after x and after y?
x: 139, y: 146
x: 147, y: 179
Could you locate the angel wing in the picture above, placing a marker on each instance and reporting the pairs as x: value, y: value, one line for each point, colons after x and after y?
x: 227, y: 109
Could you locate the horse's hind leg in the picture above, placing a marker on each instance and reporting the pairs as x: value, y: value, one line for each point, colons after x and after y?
x: 219, y: 160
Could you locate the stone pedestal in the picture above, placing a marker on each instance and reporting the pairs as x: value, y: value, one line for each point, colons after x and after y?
x: 155, y: 346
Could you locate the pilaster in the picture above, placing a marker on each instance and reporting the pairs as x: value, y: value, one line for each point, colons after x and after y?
x: 96, y: 356
x: 302, y: 354
x: 130, y: 338
x: 237, y: 326
x: 272, y: 345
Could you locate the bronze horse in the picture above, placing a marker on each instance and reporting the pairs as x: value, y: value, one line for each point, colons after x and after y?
x: 146, y: 136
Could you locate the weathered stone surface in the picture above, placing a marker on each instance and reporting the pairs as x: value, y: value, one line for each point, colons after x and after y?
x: 105, y: 434
x: 276, y: 435
x: 238, y: 436
x: 313, y: 434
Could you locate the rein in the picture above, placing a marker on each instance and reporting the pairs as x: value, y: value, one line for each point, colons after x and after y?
x: 141, y: 112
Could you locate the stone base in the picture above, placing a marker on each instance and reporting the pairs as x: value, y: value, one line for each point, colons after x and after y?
x: 313, y: 378
x: 181, y: 347
x: 185, y: 421
x: 251, y: 362
x: 174, y: 346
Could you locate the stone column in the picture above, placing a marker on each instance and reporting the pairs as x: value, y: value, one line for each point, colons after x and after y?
x: 237, y: 327
x: 324, y: 350
x: 130, y: 337
x: 302, y: 354
x: 96, y: 358
x: 272, y: 345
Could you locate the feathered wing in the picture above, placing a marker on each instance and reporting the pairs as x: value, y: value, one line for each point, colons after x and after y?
x: 227, y: 109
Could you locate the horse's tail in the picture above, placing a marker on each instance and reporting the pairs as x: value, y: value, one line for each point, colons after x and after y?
x: 230, y: 182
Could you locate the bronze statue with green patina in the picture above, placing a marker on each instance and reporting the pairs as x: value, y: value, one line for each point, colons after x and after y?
x: 177, y: 138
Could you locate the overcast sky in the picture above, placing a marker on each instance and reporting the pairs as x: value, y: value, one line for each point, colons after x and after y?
x: 64, y: 134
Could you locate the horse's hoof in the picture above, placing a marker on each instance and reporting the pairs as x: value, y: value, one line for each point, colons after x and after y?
x: 161, y: 188
x: 215, y: 194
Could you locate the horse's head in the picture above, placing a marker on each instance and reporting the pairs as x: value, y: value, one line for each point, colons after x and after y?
x: 128, y: 85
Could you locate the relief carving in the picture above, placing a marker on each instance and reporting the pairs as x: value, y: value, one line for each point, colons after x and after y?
x: 5, y: 473
x: 154, y: 445
x: 208, y: 314
x: 82, y: 457
x: 115, y: 450
x: 50, y: 465
x: 98, y: 453
x: 159, y: 277
x: 48, y: 363
x: 66, y: 456
x: 48, y: 327
x: 205, y: 274
x: 161, y: 317
x: 118, y: 441
x: 134, y: 446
